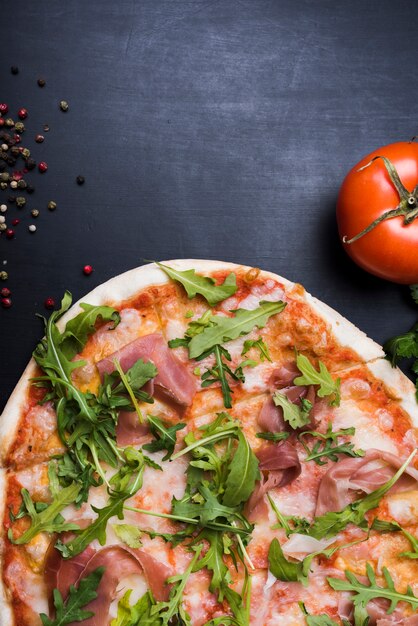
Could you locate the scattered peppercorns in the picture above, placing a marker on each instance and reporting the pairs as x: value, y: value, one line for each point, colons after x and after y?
x: 6, y: 303
x: 41, y: 82
x: 49, y: 303
x: 80, y: 180
x: 64, y: 105
x: 16, y: 221
x: 4, y: 275
x: 5, y: 292
x: 32, y: 228
x: 20, y: 202
x: 46, y: 128
x: 14, y: 70
x: 34, y: 212
x: 52, y: 205
x: 20, y: 127
x: 39, y: 138
x: 22, y: 113
x: 87, y: 270
x: 42, y: 167
x: 10, y: 233
x: 4, y: 108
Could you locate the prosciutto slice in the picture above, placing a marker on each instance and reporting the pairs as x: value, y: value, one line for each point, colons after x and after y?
x: 280, y: 465
x: 270, y: 419
x: 119, y: 562
x: 338, y: 485
x: 173, y: 381
x: 130, y: 431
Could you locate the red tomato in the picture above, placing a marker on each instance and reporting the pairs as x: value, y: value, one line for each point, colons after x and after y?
x: 390, y: 249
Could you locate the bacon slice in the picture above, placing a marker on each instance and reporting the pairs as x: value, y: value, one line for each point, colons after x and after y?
x: 119, y: 562
x: 173, y: 381
x: 338, y: 485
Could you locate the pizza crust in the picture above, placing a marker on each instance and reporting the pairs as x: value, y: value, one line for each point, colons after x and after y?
x: 6, y: 617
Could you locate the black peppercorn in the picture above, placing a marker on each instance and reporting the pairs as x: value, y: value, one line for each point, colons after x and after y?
x: 14, y: 151
x: 52, y: 205
x: 80, y: 180
x: 30, y: 189
x: 30, y: 163
x: 41, y: 82
x: 21, y: 184
x: 14, y: 69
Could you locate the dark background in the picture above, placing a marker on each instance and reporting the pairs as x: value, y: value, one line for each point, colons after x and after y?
x: 203, y: 129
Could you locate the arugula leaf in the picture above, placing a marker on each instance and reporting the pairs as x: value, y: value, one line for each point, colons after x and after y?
x: 273, y: 436
x: 213, y: 560
x: 136, y: 614
x: 72, y: 609
x: 129, y: 534
x: 297, y: 416
x: 203, y: 285
x: 280, y: 567
x: 228, y: 328
x: 165, y: 438
x: 325, y: 448
x: 46, y: 517
x: 243, y: 473
x: 299, y: 524
x: 260, y: 345
x: 125, y: 484
x: 219, y: 373
x: 79, y: 329
x: 310, y: 376
x: 363, y: 593
x: 331, y: 523
x: 403, y: 346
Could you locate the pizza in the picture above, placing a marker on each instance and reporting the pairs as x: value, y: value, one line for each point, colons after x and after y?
x: 203, y: 443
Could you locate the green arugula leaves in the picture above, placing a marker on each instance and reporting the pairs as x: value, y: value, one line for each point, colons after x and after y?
x: 165, y: 437
x: 297, y: 416
x: 260, y: 346
x: 223, y: 329
x: 310, y: 376
x: 328, y: 446
x: 45, y: 517
x: 204, y: 285
x: 129, y: 534
x: 72, y: 609
x: 363, y: 593
x: 242, y: 474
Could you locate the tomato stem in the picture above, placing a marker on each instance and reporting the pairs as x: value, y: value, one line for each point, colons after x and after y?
x: 408, y: 201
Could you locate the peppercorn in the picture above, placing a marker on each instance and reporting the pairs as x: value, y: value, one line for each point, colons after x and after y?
x: 21, y: 184
x: 80, y: 180
x: 5, y: 292
x: 46, y: 128
x: 26, y: 153
x: 4, y: 275
x: 3, y: 208
x: 4, y: 146
x: 49, y: 303
x: 14, y: 150
x: 3, y: 185
x: 87, y: 270
x: 34, y: 212
x: 9, y: 122
x: 64, y: 105
x: 14, y: 70
x: 6, y: 303
x: 30, y: 164
x: 30, y: 189
x: 20, y: 202
x: 41, y: 82
x: 5, y: 177
x: 42, y: 167
x: 11, y: 199
x: 32, y: 228
x: 52, y: 205
x: 10, y: 233
x: 13, y: 184
x: 20, y: 127
x: 3, y: 226
x: 2, y: 219
x: 16, y: 221
x: 39, y: 138
x: 17, y: 138
x: 4, y: 108
x: 22, y: 113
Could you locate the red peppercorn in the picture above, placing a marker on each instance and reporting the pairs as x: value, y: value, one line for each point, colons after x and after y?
x: 15, y: 222
x: 87, y: 270
x: 6, y: 303
x: 22, y: 113
x: 42, y: 166
x: 3, y: 108
x: 17, y: 138
x: 39, y: 138
x: 10, y: 233
x: 49, y: 303
x: 5, y: 292
x: 1, y: 121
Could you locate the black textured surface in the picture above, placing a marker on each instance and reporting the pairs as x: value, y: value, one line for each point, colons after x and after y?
x: 203, y: 129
